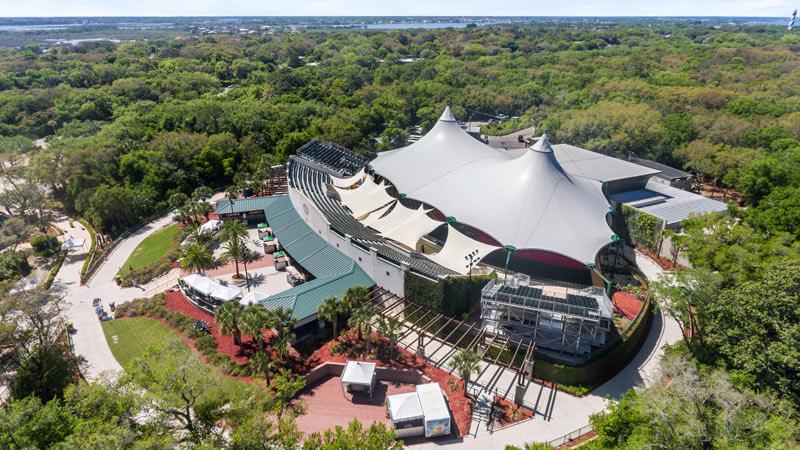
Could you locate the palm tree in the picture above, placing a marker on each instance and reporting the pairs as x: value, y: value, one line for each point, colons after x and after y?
x: 363, y: 315
x: 197, y: 235
x: 282, y: 322
x: 202, y: 208
x: 262, y: 363
x: 329, y: 311
x: 196, y: 258
x: 254, y: 319
x: 388, y: 328
x: 233, y: 251
x: 466, y: 363
x: 229, y: 316
x: 354, y: 297
x: 233, y: 230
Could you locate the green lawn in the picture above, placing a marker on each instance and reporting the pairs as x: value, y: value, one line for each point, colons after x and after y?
x: 135, y: 335
x: 153, y: 247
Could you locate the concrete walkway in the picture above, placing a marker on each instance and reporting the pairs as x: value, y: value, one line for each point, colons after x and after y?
x: 556, y: 413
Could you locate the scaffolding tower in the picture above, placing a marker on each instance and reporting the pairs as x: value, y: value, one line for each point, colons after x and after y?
x: 569, y: 320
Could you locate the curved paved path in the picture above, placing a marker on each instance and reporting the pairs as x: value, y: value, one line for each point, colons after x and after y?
x: 89, y: 341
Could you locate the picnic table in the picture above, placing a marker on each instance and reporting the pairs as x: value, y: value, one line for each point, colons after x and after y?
x: 268, y: 238
x: 277, y: 255
x: 262, y: 225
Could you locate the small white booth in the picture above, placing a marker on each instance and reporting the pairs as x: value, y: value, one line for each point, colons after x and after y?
x: 406, y: 415
x: 423, y: 412
x: 359, y: 375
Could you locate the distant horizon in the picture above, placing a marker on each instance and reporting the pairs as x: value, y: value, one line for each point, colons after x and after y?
x: 396, y: 8
x: 407, y: 16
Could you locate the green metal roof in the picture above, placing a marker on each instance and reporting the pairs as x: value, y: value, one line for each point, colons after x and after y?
x: 333, y: 272
x: 243, y: 205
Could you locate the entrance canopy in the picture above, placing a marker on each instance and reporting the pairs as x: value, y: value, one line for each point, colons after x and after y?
x: 404, y: 407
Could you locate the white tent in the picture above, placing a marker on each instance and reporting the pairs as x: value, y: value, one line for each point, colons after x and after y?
x: 370, y: 202
x: 359, y: 373
x: 225, y: 293
x: 73, y: 242
x: 351, y: 195
x: 199, y: 283
x: 376, y: 215
x: 207, y: 287
x: 434, y: 407
x: 404, y: 407
x: 456, y: 248
x: 210, y: 226
x: 252, y: 298
x: 348, y: 181
x: 523, y: 199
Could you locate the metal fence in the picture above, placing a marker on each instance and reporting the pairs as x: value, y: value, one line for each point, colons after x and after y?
x: 569, y: 437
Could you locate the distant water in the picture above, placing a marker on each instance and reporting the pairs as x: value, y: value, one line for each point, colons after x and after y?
x: 78, y: 41
x: 48, y: 27
x: 425, y: 25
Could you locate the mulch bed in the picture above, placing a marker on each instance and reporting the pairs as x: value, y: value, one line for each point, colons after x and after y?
x: 626, y: 303
x: 663, y: 263
x: 176, y: 301
x: 507, y: 407
x: 578, y: 440
x: 459, y: 404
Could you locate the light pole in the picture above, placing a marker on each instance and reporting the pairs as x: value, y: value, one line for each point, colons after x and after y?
x: 470, y: 258
x: 509, y: 250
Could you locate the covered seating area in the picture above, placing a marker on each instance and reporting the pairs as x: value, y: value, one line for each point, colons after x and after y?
x: 206, y: 293
x: 359, y: 376
x: 424, y: 412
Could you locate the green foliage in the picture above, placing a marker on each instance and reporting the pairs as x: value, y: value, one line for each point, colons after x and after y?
x: 452, y: 297
x: 92, y: 246
x: 642, y: 229
x: 45, y: 245
x: 45, y: 373
x: 377, y: 437
x: 14, y: 264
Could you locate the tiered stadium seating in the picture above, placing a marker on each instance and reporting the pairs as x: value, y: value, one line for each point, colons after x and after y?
x: 332, y: 156
x: 312, y: 181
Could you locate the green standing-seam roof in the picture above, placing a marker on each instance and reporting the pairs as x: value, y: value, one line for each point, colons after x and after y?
x: 333, y: 272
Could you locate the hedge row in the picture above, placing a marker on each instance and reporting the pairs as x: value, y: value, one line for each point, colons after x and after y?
x: 205, y: 343
x: 92, y: 247
x: 54, y: 271
x: 452, y: 296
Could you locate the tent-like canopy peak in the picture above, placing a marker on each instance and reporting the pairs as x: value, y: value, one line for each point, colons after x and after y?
x: 521, y: 198
x: 447, y: 115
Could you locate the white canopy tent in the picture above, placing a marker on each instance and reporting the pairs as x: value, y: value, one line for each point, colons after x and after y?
x: 210, y: 226
x: 360, y: 374
x: 375, y: 199
x: 376, y: 215
x: 434, y: 407
x: 73, y: 242
x: 207, y: 287
x: 225, y: 293
x: 346, y: 182
x: 523, y: 199
x: 456, y: 248
x: 404, y: 407
x: 252, y: 298
x: 350, y: 195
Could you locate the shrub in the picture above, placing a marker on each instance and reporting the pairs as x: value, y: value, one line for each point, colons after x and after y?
x: 45, y: 245
x: 53, y: 272
x: 92, y: 247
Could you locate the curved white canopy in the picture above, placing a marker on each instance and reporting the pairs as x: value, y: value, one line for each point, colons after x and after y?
x: 376, y: 215
x: 524, y: 198
x: 365, y: 198
x: 456, y: 248
x: 406, y: 225
x: 348, y: 181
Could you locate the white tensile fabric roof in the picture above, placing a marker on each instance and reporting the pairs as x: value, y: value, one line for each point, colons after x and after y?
x: 404, y: 407
x: 456, y: 248
x: 348, y: 181
x: 376, y: 215
x: 432, y: 400
x: 365, y: 198
x: 225, y: 293
x: 523, y: 199
x: 358, y: 372
x: 405, y: 225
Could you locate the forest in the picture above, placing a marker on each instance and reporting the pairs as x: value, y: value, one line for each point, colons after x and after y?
x: 127, y: 126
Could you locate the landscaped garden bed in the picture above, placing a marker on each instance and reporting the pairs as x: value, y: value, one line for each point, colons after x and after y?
x: 508, y: 413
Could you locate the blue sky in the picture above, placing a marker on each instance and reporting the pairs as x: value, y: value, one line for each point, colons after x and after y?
x: 27, y: 8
